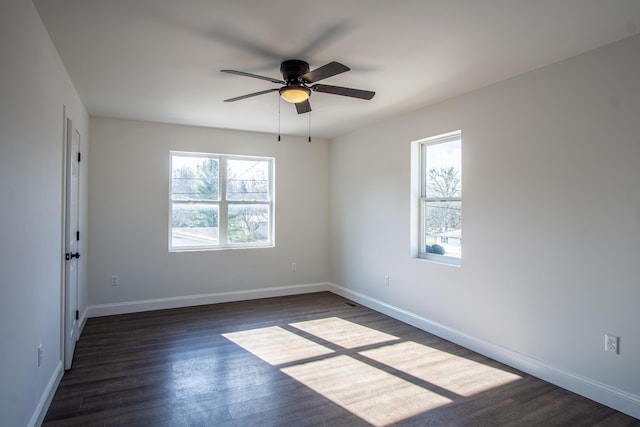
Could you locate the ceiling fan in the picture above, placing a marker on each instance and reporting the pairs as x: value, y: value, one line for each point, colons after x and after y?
x: 298, y: 83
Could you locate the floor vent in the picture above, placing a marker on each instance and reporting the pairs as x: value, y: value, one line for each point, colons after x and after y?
x: 349, y: 303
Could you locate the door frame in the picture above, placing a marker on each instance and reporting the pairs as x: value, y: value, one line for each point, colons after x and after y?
x: 69, y: 334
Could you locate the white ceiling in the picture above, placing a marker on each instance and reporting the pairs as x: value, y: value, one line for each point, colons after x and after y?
x: 159, y: 60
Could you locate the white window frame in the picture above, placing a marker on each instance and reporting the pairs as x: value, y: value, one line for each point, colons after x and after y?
x: 223, y: 204
x: 423, y: 200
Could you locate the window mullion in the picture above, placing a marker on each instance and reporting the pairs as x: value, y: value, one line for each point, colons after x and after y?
x: 222, y: 217
x: 195, y: 202
x: 442, y: 199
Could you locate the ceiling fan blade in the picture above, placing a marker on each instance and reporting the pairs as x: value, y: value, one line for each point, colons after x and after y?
x: 238, y: 98
x: 328, y: 70
x: 255, y: 76
x: 344, y: 91
x: 303, y: 107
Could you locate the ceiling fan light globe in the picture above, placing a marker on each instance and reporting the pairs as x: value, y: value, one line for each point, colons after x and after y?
x: 295, y: 94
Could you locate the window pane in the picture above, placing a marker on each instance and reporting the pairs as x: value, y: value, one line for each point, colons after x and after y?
x: 248, y: 180
x: 195, y: 178
x: 248, y: 223
x: 443, y: 169
x: 443, y: 228
x: 194, y: 225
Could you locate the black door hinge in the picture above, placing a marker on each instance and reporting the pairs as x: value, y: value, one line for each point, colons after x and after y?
x: 77, y: 314
x: 78, y: 236
x: 79, y: 157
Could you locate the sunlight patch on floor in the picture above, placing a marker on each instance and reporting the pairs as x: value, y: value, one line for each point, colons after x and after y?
x: 276, y: 346
x: 457, y: 374
x: 375, y: 396
x: 343, y: 333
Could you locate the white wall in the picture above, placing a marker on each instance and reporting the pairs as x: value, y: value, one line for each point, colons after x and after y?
x: 549, y: 266
x: 34, y: 86
x: 551, y: 221
x: 128, y: 207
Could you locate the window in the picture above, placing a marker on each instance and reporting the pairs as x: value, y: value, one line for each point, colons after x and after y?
x: 220, y: 201
x: 441, y: 198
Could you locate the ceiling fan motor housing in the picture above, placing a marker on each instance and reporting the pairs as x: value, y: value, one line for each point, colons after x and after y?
x: 292, y: 69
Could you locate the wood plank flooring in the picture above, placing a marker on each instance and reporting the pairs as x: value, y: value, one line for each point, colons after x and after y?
x: 305, y: 360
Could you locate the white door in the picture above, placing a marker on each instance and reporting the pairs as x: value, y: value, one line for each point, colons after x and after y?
x: 72, y: 237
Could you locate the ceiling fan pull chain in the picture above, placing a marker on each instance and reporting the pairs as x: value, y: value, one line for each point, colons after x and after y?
x: 309, y: 126
x: 279, y: 102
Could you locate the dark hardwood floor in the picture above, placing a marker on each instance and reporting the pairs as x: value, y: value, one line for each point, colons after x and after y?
x: 306, y: 360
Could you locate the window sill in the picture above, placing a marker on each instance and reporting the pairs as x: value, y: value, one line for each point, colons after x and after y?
x: 225, y: 248
x: 440, y: 259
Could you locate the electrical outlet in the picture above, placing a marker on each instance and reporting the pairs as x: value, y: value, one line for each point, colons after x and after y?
x: 115, y: 280
x: 386, y: 280
x: 39, y: 355
x: 611, y: 343
x: 294, y: 267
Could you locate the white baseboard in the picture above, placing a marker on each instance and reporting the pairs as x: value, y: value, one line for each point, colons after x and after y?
x: 201, y: 299
x: 591, y: 389
x: 47, y: 396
